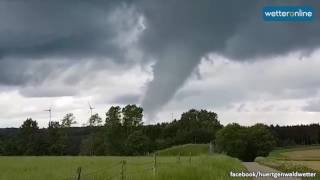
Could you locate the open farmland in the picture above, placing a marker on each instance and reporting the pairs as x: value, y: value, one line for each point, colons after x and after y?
x: 302, y: 159
x: 303, y: 153
x: 101, y: 168
x: 307, y: 155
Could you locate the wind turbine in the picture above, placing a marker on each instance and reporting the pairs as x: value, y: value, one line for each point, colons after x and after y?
x: 91, y: 108
x: 49, y: 110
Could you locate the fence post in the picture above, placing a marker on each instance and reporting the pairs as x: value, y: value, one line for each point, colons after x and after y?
x: 190, y: 158
x: 213, y: 146
x: 123, y: 170
x: 79, y: 173
x: 179, y: 157
x: 155, y: 164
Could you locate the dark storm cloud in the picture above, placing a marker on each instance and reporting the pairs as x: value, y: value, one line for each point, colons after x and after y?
x: 57, y: 28
x: 16, y: 73
x: 61, y: 33
x: 178, y: 33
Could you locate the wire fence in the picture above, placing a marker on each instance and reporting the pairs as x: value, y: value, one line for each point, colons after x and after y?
x: 126, y: 170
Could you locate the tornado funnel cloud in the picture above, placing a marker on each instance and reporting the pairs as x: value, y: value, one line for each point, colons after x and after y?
x: 169, y: 75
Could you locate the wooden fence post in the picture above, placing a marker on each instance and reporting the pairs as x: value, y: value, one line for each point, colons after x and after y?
x: 123, y: 170
x: 155, y: 164
x: 79, y: 173
x: 213, y: 146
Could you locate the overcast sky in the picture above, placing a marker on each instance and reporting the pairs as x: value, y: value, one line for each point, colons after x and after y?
x: 167, y: 56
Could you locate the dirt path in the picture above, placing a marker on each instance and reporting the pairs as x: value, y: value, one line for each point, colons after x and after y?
x: 255, y: 167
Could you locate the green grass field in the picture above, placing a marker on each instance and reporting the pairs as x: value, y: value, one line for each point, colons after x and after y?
x: 169, y: 166
x: 101, y: 168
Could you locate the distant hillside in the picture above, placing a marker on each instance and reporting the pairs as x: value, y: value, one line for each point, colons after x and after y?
x: 185, y: 150
x: 8, y: 131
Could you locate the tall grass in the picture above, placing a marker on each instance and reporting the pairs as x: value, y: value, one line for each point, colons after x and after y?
x: 185, y: 150
x: 136, y: 168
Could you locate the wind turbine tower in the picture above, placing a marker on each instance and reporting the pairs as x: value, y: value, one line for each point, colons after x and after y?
x: 91, y: 108
x: 49, y: 110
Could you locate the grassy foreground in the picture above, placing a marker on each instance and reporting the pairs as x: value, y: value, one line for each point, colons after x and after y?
x: 101, y: 168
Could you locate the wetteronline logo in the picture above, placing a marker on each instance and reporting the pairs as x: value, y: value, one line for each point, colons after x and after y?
x: 288, y: 13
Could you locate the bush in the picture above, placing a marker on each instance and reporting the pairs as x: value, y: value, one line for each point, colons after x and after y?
x: 245, y: 143
x: 137, y: 144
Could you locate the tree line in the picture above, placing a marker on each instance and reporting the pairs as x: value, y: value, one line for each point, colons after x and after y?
x: 122, y: 132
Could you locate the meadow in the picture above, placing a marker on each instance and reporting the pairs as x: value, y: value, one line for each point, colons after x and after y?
x: 202, y: 167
